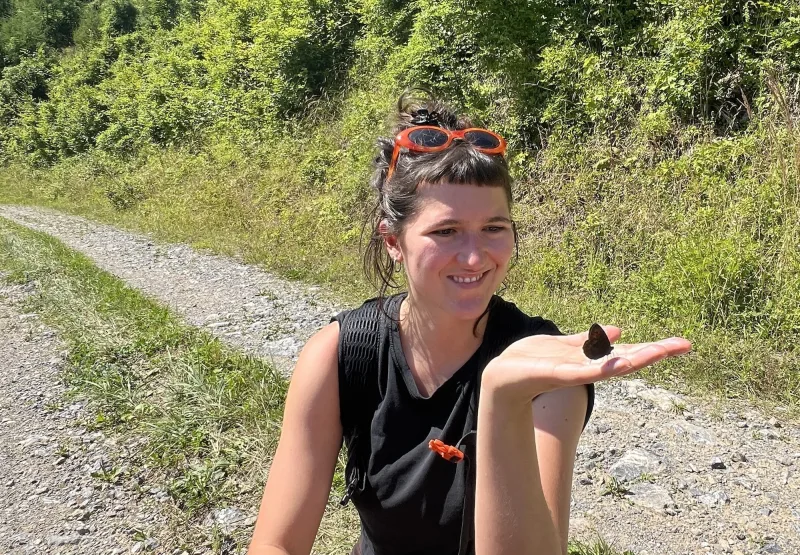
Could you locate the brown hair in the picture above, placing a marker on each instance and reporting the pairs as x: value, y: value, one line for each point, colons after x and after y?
x: 396, y: 201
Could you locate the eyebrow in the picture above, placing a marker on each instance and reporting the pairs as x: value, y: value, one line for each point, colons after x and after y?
x: 491, y: 220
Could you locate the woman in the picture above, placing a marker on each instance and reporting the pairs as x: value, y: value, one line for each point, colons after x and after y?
x: 400, y: 377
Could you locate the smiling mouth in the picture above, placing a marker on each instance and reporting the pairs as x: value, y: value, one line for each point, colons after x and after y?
x: 469, y: 279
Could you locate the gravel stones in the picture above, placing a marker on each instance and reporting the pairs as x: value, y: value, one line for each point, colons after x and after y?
x: 634, y: 463
x: 694, y: 433
x: 47, y: 507
x: 651, y: 496
x: 714, y: 499
x: 227, y: 519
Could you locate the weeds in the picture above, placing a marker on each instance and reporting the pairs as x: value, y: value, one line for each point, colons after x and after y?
x: 614, y: 487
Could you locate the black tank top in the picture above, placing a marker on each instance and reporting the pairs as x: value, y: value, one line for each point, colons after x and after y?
x: 412, y: 499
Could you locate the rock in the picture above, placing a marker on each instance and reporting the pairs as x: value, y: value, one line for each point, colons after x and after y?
x: 661, y: 398
x: 714, y: 499
x: 717, y: 464
x: 601, y: 428
x: 286, y: 347
x: 695, y: 433
x: 633, y: 386
x: 137, y: 547
x: 771, y: 548
x: 767, y: 433
x: 774, y: 422
x: 652, y: 496
x: 58, y: 541
x: 738, y: 457
x: 766, y: 511
x: 227, y: 519
x: 634, y: 463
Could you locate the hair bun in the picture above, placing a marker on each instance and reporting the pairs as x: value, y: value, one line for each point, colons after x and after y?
x: 423, y: 117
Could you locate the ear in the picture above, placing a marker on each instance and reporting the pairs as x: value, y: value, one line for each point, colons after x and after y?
x: 390, y: 241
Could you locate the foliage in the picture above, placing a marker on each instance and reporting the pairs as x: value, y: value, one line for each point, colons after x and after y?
x: 655, y: 145
x: 27, y: 25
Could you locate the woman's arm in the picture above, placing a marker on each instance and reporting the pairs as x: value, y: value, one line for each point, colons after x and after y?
x: 511, y: 511
x: 521, y: 500
x: 302, y: 471
x: 557, y: 424
x: 558, y: 418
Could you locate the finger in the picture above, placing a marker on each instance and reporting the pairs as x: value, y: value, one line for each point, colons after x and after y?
x: 571, y: 373
x: 578, y: 339
x: 673, y: 346
x: 653, y: 352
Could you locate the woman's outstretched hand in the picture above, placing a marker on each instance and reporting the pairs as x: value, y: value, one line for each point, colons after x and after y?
x: 541, y: 363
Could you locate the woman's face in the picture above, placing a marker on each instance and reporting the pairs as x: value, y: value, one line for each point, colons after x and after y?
x: 457, y: 248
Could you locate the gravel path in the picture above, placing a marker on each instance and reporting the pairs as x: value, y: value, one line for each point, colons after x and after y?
x: 50, y: 502
x: 656, y: 472
x: 244, y: 306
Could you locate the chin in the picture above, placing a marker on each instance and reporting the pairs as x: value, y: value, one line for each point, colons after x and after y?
x: 469, y: 309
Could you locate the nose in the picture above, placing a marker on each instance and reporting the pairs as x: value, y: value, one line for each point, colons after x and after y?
x: 472, y: 251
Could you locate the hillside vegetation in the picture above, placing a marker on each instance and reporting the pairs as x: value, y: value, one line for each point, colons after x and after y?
x: 655, y: 145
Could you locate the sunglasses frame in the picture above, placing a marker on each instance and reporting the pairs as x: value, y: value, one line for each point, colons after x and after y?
x: 402, y: 140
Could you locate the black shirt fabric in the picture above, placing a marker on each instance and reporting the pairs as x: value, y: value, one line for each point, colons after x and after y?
x: 412, y: 499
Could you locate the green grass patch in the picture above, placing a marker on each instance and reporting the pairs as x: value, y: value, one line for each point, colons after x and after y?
x: 209, y: 416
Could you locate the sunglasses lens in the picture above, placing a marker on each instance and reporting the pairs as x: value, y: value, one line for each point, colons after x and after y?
x: 481, y: 139
x: 428, y: 137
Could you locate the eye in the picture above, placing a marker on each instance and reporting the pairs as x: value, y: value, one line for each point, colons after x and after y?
x: 444, y: 232
x: 495, y: 228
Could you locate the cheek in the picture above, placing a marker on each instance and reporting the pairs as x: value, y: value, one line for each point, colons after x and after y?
x: 430, y: 255
x: 502, y: 249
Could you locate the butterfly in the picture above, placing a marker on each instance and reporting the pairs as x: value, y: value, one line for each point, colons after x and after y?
x: 598, y: 345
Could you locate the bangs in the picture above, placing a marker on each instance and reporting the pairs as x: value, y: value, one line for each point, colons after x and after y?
x: 460, y: 164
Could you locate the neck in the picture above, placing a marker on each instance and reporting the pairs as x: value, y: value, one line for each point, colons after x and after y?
x: 439, y: 344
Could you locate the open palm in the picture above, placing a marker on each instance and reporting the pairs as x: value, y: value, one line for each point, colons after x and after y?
x: 541, y: 363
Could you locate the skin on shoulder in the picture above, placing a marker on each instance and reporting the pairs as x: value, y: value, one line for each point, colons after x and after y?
x: 302, y: 470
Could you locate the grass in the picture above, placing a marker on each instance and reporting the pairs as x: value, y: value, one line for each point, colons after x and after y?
x: 208, y: 417
x: 712, y: 260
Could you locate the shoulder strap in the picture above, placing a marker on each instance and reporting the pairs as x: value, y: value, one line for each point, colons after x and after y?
x: 359, y: 339
x: 360, y: 334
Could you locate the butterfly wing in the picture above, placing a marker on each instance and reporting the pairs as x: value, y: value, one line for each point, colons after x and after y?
x: 598, y: 345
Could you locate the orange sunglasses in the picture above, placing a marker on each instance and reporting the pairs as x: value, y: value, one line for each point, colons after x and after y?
x: 429, y: 138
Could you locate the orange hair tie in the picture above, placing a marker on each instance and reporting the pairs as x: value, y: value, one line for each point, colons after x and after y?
x: 447, y: 452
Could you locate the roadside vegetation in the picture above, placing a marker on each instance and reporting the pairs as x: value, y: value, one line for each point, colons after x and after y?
x: 655, y: 146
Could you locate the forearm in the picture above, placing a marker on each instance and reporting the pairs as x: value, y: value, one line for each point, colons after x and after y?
x: 511, y: 514
x: 256, y: 549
